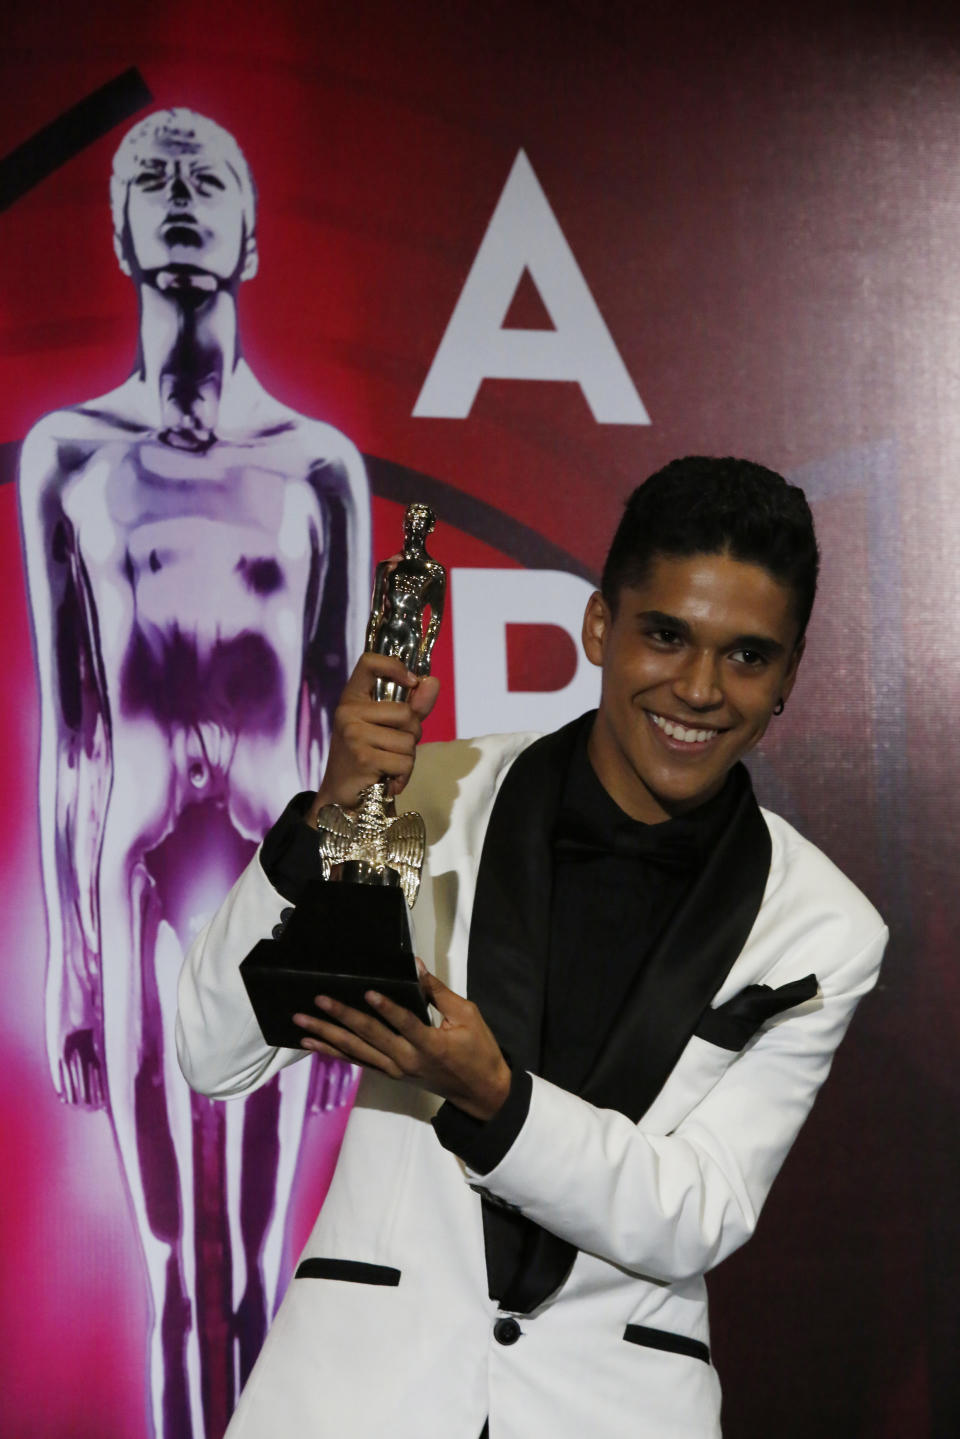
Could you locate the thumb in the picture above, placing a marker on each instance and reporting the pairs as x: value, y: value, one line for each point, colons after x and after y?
x: 424, y: 697
x: 442, y: 998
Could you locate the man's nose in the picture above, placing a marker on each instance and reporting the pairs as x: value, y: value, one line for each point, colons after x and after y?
x: 698, y: 682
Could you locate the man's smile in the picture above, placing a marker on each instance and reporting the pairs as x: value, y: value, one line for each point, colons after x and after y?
x: 683, y: 734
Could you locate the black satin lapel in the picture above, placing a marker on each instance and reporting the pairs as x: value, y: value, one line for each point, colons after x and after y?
x: 508, y: 947
x: 686, y: 967
x: 510, y: 924
x: 681, y: 976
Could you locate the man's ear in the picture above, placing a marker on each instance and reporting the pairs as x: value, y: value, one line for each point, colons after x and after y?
x: 597, y: 620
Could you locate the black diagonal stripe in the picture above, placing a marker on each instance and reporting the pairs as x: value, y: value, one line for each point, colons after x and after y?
x: 70, y: 133
x: 473, y: 516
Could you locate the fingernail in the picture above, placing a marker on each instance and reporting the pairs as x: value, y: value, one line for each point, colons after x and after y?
x: 322, y: 1002
x: 372, y: 997
x: 421, y: 967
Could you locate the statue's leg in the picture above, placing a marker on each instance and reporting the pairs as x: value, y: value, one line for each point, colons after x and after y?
x: 149, y: 1108
x: 264, y: 1136
x: 263, y: 1142
x: 264, y: 1132
x: 190, y: 871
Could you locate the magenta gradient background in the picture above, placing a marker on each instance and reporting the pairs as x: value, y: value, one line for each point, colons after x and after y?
x: 767, y: 212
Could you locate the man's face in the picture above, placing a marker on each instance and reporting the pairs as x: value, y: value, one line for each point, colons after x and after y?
x: 185, y: 206
x: 693, y: 663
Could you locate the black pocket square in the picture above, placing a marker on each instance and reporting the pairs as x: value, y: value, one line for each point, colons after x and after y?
x: 732, y: 1024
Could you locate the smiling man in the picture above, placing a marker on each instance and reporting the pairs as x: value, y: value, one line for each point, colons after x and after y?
x: 640, y: 980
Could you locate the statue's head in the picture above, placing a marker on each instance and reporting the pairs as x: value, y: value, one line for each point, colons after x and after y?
x: 418, y: 521
x: 181, y: 193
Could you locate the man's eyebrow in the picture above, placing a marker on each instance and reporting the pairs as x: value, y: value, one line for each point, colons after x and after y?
x: 763, y: 644
x: 663, y: 621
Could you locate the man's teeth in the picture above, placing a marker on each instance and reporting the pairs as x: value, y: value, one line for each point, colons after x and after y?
x: 678, y: 731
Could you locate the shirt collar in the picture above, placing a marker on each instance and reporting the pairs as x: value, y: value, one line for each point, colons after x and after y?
x: 590, y: 821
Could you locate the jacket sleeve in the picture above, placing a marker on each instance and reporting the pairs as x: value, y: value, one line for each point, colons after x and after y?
x: 221, y: 1050
x: 671, y: 1206
x: 219, y: 1044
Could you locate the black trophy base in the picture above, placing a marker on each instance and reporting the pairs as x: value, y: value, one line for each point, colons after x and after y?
x: 364, y: 929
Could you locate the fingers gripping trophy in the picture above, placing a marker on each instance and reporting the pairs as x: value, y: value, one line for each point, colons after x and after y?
x: 371, y: 857
x: 373, y: 845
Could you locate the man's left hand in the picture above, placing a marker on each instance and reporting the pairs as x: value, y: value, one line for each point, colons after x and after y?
x: 460, y: 1060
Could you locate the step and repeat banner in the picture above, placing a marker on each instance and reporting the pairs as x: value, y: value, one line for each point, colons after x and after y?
x: 267, y: 276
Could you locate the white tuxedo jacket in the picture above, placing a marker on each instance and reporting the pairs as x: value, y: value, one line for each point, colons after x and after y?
x: 390, y: 1330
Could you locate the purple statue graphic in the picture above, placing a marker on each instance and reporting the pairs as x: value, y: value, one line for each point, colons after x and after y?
x: 198, y: 570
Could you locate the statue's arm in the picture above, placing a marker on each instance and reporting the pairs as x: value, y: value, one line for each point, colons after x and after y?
x: 335, y: 621
x: 75, y: 771
x: 378, y: 604
x: 436, y: 596
x: 334, y: 629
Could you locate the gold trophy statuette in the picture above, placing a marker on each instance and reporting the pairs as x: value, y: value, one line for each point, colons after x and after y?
x: 350, y: 930
x: 372, y: 844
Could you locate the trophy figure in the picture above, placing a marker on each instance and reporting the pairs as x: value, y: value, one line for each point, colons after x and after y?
x: 373, y: 845
x: 371, y: 857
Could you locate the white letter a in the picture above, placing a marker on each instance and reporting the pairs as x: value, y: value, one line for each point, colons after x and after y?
x: 523, y: 233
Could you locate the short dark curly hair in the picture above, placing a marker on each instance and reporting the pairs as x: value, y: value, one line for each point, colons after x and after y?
x: 712, y: 506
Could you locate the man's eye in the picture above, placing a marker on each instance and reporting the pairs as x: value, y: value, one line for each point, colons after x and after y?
x: 753, y: 658
x: 664, y: 637
x: 150, y: 180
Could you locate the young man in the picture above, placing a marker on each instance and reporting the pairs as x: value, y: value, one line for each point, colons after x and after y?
x: 656, y: 978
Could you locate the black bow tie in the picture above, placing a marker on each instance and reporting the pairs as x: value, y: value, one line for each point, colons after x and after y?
x: 663, y: 844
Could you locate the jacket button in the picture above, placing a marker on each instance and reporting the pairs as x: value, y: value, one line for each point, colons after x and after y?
x: 285, y: 915
x: 506, y: 1331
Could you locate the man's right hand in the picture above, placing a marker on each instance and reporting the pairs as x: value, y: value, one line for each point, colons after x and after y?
x: 372, y: 739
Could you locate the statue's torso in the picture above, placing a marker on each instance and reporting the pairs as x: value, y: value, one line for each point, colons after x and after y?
x: 203, y: 571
